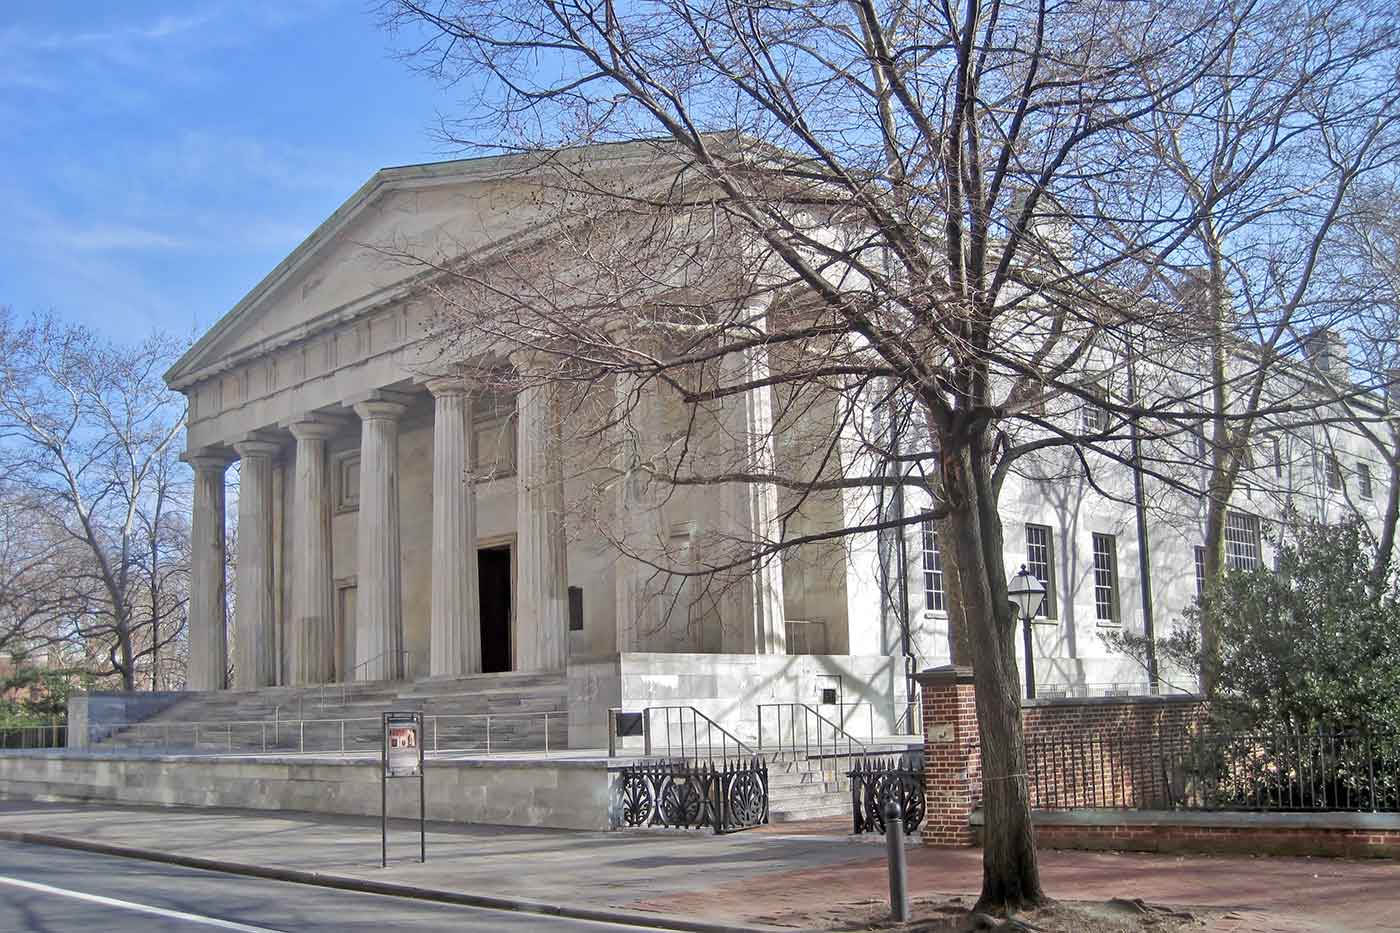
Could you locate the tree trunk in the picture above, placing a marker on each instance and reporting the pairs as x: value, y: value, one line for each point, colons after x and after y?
x: 1010, y: 875
x: 1385, y: 544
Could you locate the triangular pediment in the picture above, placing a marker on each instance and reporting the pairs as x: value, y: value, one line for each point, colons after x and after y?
x: 356, y: 260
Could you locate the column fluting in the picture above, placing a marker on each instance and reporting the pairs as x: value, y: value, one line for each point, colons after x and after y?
x: 208, y: 614
x: 312, y: 655
x: 255, y: 655
x: 455, y: 622
x: 379, y: 629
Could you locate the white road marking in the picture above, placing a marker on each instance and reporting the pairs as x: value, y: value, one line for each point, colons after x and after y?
x: 131, y: 905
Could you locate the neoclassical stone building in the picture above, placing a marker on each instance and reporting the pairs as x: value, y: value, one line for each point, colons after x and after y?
x: 395, y: 520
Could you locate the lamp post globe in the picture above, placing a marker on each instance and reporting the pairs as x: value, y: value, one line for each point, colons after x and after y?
x: 1027, y: 594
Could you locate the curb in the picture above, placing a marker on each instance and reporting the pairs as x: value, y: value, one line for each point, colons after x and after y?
x: 393, y: 889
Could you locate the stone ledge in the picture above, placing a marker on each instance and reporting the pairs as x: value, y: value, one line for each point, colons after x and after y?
x: 1160, y: 699
x: 1206, y: 819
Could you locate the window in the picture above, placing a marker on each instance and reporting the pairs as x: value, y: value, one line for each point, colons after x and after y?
x: 347, y: 481
x: 1334, y: 473
x: 494, y: 447
x: 1106, y: 577
x: 575, y: 608
x: 1095, y: 418
x: 1242, y: 547
x: 1278, y: 459
x: 1040, y: 560
x: 934, y: 597
x: 1200, y: 572
x: 1363, y: 472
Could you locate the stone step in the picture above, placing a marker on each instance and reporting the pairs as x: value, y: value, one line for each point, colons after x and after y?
x: 808, y: 813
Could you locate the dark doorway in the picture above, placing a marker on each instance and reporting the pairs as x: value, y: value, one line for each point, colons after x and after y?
x: 493, y: 564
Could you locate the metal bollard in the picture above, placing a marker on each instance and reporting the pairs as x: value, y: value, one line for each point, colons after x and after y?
x: 894, y: 850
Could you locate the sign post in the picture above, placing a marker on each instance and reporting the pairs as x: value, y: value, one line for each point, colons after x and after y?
x: 402, y: 757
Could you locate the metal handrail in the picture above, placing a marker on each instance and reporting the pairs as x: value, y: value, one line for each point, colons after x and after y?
x: 697, y: 719
x: 853, y: 745
x: 274, y: 728
x: 396, y: 652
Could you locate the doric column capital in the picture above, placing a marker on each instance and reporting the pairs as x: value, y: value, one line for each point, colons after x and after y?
x: 209, y: 459
x: 314, y: 427
x: 447, y: 386
x: 256, y: 446
x: 382, y: 405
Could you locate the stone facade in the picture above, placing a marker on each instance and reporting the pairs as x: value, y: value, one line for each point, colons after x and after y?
x: 397, y: 520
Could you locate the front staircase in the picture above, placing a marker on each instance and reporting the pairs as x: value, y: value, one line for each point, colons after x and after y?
x: 495, y: 712
x: 810, y: 786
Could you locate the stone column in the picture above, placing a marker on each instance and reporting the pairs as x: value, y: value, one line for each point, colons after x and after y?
x: 455, y: 623
x: 208, y: 619
x: 752, y: 607
x: 255, y: 654
x: 638, y: 520
x: 542, y: 617
x: 379, y: 628
x: 313, y: 588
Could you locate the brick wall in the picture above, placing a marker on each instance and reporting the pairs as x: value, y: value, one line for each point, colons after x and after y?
x: 1079, y: 751
x: 1105, y: 752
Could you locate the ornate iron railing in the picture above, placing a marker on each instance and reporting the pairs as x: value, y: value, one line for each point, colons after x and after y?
x: 677, y: 794
x: 876, y: 779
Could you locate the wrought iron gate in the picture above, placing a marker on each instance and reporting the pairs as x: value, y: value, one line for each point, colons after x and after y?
x: 681, y: 794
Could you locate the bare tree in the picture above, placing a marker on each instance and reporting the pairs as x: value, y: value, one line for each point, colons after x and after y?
x: 1263, y: 152
x: 854, y: 210
x: 1367, y: 260
x: 88, y: 433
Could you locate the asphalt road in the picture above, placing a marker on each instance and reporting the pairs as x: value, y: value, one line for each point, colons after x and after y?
x: 59, y: 890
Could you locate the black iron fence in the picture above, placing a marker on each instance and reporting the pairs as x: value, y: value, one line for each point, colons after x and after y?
x: 726, y: 796
x: 875, y: 779
x: 1216, y: 771
x: 50, y: 735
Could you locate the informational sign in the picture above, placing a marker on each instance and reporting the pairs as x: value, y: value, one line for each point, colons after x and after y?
x: 402, y: 755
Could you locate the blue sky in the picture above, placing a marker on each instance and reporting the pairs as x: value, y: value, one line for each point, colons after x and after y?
x: 157, y: 159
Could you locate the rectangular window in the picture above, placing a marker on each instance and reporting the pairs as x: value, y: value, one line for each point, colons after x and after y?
x: 1106, y: 577
x: 1040, y: 560
x: 1242, y: 545
x: 493, y: 448
x: 934, y: 597
x: 1200, y: 572
x: 347, y: 481
x: 1334, y: 473
x: 1363, y: 472
x: 1278, y: 459
x: 1095, y: 418
x: 575, y: 608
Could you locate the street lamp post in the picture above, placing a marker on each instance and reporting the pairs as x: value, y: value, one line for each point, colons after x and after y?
x: 1027, y: 595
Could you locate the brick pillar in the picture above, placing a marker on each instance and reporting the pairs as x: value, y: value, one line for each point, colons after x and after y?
x: 952, y: 755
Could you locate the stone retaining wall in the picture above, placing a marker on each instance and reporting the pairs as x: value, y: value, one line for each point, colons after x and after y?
x: 562, y: 794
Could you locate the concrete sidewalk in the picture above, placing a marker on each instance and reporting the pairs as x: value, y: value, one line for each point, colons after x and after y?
x: 507, y: 866
x: 793, y: 880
